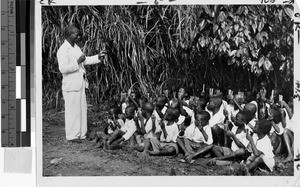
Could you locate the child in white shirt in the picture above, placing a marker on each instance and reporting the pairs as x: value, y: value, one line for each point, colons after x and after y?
x: 125, y: 133
x: 114, y: 123
x: 197, y: 136
x: 166, y: 146
x: 262, y: 153
x: 239, y: 141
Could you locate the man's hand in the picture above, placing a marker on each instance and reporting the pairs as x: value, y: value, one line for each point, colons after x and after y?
x: 81, y: 59
x: 102, y: 54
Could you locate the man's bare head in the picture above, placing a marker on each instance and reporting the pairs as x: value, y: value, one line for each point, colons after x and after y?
x: 72, y: 34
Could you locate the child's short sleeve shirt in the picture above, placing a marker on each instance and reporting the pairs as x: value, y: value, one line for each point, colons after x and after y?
x: 193, y: 133
x: 264, y: 145
x: 217, y: 118
x: 129, y: 129
x: 172, y: 133
x: 241, y: 137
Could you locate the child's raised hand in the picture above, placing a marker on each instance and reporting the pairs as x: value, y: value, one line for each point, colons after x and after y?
x: 248, y: 136
x: 162, y: 124
x: 229, y: 133
x: 136, y: 119
x: 153, y: 118
x: 225, y: 112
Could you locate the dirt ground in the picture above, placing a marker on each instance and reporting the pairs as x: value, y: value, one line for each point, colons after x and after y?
x: 81, y: 160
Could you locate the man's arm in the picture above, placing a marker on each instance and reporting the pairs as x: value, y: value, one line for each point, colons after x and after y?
x: 95, y: 59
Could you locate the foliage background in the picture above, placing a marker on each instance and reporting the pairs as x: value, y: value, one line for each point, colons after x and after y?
x: 148, y: 47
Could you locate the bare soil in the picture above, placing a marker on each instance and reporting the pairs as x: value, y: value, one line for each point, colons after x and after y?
x: 82, y: 160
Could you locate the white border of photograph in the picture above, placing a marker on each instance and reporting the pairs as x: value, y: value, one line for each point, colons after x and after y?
x: 159, y: 180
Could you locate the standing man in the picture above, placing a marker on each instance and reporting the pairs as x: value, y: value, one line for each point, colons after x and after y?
x: 71, y: 61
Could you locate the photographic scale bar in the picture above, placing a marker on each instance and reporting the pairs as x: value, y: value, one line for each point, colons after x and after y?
x: 15, y: 74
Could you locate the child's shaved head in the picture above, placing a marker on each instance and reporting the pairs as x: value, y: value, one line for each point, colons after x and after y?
x: 214, y: 102
x: 129, y: 111
x: 148, y: 107
x: 204, y: 115
x: 114, y: 110
x: 275, y: 113
x: 263, y: 126
x: 172, y: 114
x: 250, y: 107
x: 161, y: 101
x: 243, y: 117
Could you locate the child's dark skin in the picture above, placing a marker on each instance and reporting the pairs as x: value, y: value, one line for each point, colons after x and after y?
x: 218, y: 133
x: 200, y: 122
x: 147, y: 110
x: 261, y: 133
x: 117, y: 136
x: 113, y: 114
x: 240, y: 123
x: 160, y: 104
x: 170, y: 116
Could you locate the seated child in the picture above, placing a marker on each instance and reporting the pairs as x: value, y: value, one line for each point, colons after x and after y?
x: 160, y: 107
x: 196, y: 136
x: 166, y: 145
x: 239, y: 140
x: 132, y: 99
x: 276, y: 133
x: 252, y: 109
x: 184, y: 107
x: 114, y: 123
x: 217, y: 118
x: 125, y: 133
x: 262, y: 155
x: 288, y: 134
x: 146, y: 127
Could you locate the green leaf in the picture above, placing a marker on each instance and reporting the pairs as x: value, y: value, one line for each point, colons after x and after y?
x: 227, y: 44
x: 215, y: 28
x: 268, y: 65
x: 202, y: 25
x: 280, y: 15
x: 261, y: 61
x: 254, y: 26
x: 260, y: 26
x: 206, y: 9
x: 233, y: 53
x: 289, y: 12
x: 236, y: 27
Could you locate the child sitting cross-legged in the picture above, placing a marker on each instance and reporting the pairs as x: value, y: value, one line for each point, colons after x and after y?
x: 114, y: 123
x: 197, y: 136
x: 239, y: 143
x: 166, y: 145
x: 262, y: 155
x: 125, y: 133
x: 146, y: 127
x: 238, y: 146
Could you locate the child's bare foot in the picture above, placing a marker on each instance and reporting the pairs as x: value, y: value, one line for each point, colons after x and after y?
x: 106, y: 146
x: 188, y: 154
x: 153, y: 153
x: 98, y: 145
x: 211, y: 162
x: 142, y: 154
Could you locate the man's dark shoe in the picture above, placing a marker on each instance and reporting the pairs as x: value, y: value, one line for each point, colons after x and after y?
x: 75, y: 141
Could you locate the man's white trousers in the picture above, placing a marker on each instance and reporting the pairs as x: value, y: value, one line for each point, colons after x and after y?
x: 75, y: 114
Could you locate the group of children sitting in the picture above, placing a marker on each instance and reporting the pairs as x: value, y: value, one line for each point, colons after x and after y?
x: 244, y: 127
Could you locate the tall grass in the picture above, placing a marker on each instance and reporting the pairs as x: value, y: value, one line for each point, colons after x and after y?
x: 148, y: 47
